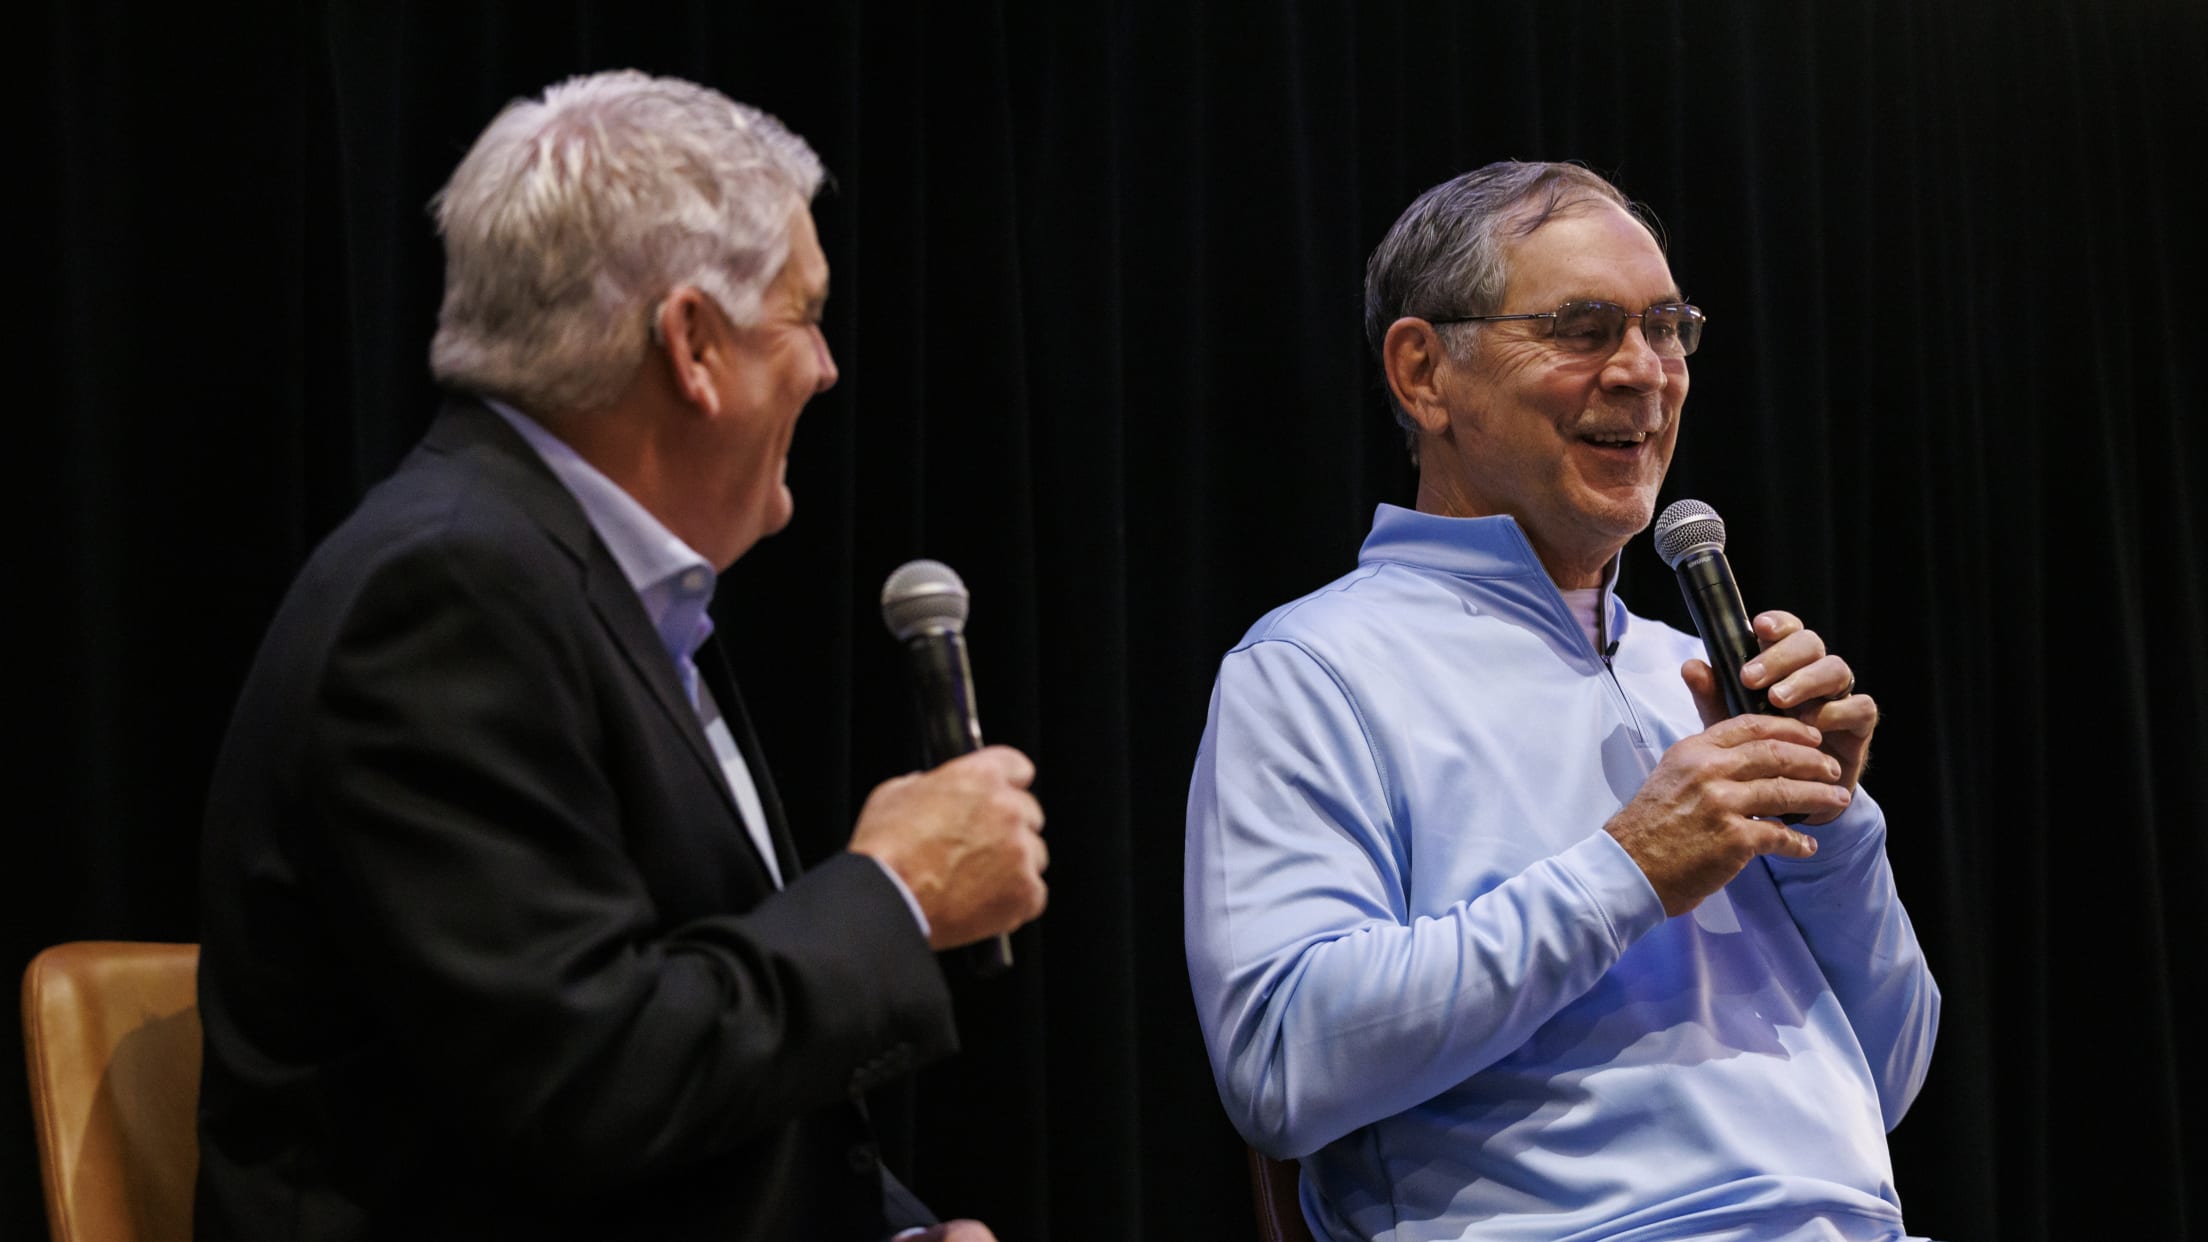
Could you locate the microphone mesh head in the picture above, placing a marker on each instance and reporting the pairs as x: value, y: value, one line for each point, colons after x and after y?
x: 924, y: 597
x: 1688, y: 525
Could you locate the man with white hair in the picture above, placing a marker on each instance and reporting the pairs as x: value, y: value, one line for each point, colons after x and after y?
x: 1495, y: 921
x: 503, y: 933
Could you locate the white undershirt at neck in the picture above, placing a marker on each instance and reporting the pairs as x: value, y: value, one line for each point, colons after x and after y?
x: 1582, y: 604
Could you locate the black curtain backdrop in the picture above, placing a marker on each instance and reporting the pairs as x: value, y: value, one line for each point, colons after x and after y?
x: 1097, y: 274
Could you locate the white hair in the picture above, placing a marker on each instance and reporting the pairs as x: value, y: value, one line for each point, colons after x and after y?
x: 573, y: 216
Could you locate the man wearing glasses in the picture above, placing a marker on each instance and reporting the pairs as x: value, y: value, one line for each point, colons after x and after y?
x: 1492, y: 919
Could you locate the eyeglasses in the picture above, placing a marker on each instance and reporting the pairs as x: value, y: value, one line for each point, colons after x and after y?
x: 1672, y: 329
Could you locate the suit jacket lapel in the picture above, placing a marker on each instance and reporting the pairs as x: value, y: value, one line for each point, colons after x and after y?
x: 713, y: 667
x: 466, y: 427
x: 623, y: 616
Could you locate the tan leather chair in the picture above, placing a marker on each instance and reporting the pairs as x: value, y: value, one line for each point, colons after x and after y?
x: 111, y: 1032
x: 1273, y: 1198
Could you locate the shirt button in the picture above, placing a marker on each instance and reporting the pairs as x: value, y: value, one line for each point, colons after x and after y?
x: 862, y: 1157
x: 693, y: 581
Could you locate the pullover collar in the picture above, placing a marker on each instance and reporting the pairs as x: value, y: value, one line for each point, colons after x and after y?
x: 1496, y: 553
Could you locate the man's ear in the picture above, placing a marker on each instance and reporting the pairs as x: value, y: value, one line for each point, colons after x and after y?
x: 1412, y: 355
x: 688, y: 336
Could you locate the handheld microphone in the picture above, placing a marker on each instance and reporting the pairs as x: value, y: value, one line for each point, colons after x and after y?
x: 1691, y: 539
x: 924, y: 604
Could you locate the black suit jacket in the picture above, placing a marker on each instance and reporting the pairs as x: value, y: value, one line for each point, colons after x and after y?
x: 486, y: 949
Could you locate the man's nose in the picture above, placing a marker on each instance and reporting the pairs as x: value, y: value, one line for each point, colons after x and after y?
x: 1634, y: 364
x: 828, y: 373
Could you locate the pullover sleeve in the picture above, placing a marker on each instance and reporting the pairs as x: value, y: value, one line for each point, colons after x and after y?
x: 1849, y: 912
x: 1325, y: 1006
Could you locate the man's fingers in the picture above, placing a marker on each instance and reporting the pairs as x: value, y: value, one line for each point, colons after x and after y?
x: 1773, y: 838
x: 1827, y: 677
x: 1702, y: 684
x: 1779, y: 660
x: 1769, y: 757
x: 1779, y: 795
x: 1005, y: 761
x: 1027, y: 809
x: 1776, y: 625
x: 1749, y: 728
x: 1857, y: 713
x: 1017, y: 767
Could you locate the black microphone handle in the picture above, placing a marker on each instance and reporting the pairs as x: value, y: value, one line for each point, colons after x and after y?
x: 1713, y: 599
x: 943, y: 690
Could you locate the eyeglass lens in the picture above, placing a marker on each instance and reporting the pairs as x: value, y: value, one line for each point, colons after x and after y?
x: 1673, y: 329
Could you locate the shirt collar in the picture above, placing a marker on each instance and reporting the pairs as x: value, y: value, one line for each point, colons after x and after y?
x: 1492, y: 548
x: 674, y: 583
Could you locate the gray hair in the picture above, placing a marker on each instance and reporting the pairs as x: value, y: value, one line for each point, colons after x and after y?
x: 574, y: 215
x: 1444, y: 255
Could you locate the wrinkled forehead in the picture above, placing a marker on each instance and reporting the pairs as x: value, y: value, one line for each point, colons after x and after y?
x: 804, y: 271
x: 805, y: 239
x: 1588, y: 248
